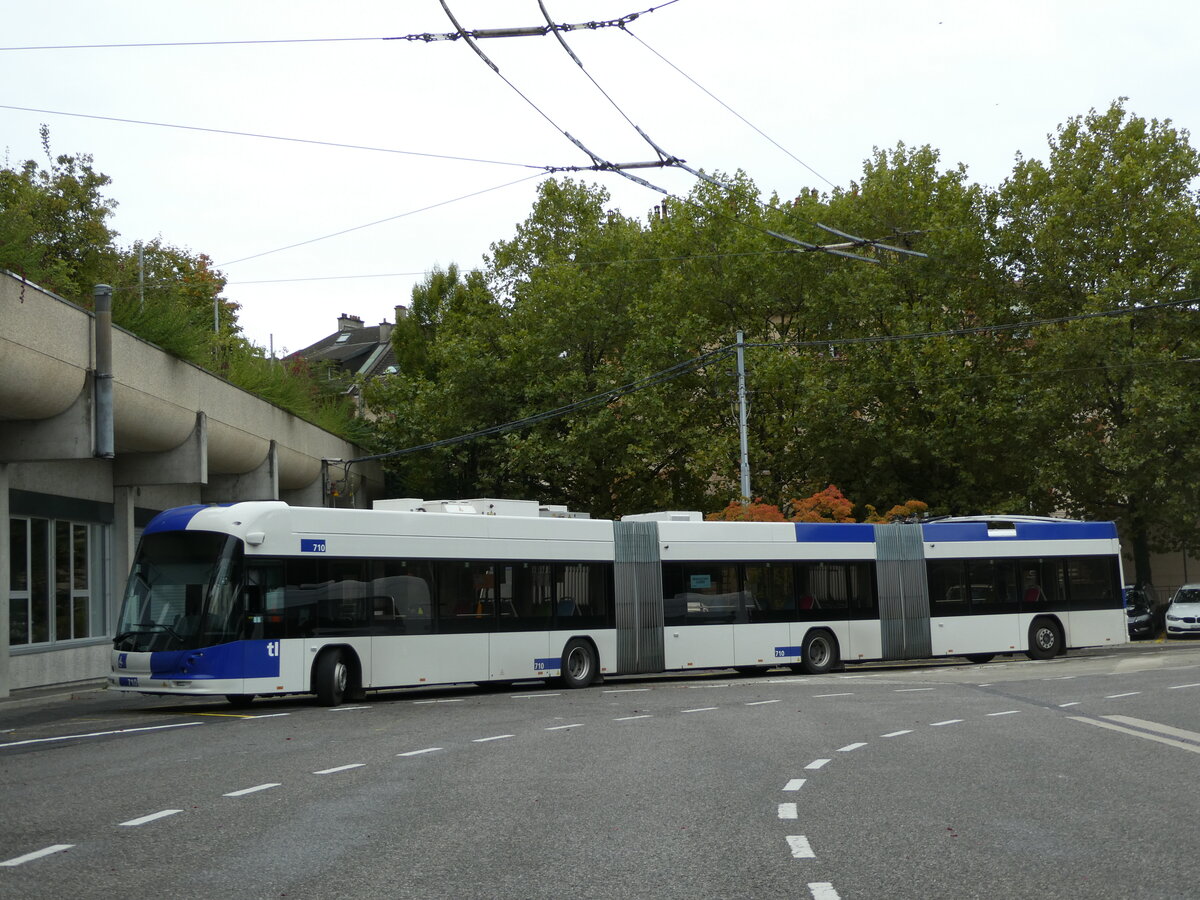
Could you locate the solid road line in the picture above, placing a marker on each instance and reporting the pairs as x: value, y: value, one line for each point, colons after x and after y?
x: 1193, y: 748
x: 72, y: 737
x: 36, y: 854
x: 1155, y: 726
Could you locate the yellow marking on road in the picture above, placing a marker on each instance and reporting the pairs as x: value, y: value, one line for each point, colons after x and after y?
x: 226, y: 715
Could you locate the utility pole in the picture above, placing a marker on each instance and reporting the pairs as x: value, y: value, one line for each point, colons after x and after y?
x: 745, y: 454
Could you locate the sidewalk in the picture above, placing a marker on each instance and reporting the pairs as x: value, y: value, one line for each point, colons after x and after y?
x: 74, y: 690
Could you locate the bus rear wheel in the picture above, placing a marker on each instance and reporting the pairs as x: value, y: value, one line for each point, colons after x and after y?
x: 818, y: 654
x: 579, y: 664
x: 332, y: 677
x: 1045, y: 640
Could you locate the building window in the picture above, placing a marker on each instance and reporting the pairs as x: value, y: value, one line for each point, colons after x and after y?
x: 56, y: 585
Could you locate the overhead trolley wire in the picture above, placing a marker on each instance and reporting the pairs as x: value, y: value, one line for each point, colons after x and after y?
x: 727, y: 106
x: 667, y: 160
x: 713, y: 356
x: 602, y: 399
x: 477, y: 34
x: 276, y: 137
x: 402, y: 215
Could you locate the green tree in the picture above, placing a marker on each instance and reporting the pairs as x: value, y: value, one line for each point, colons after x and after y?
x: 1112, y: 221
x: 54, y: 223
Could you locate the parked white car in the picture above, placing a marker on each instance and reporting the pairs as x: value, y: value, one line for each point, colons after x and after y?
x: 1183, y: 615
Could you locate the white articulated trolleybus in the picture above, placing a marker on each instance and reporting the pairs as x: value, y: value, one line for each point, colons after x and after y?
x: 260, y: 598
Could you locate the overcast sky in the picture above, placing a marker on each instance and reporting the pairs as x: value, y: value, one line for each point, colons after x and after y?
x: 828, y: 82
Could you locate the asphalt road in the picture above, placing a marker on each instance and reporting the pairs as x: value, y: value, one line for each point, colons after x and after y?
x: 1068, y: 778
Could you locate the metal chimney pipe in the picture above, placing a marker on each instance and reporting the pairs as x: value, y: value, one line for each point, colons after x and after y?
x: 102, y: 294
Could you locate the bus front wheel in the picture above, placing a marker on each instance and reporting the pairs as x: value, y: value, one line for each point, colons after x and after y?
x: 332, y: 677
x: 579, y: 664
x: 818, y: 654
x: 1045, y: 640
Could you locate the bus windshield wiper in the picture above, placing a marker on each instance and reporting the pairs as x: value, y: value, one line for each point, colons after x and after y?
x: 149, y: 628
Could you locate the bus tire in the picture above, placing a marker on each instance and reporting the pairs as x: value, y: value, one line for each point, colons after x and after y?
x: 818, y: 653
x: 239, y: 701
x: 579, y: 664
x: 980, y: 658
x: 331, y: 678
x: 1045, y: 639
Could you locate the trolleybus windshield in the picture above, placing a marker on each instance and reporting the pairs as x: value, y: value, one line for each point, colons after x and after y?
x: 183, y: 593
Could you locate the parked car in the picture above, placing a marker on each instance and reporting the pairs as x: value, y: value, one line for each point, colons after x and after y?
x: 1144, y: 614
x: 1139, y: 614
x: 1183, y: 615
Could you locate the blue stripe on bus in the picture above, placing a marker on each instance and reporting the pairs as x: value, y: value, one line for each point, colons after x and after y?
x: 1025, y: 531
x: 835, y: 532
x: 785, y: 652
x: 240, y: 659
x: 547, y: 664
x: 176, y: 519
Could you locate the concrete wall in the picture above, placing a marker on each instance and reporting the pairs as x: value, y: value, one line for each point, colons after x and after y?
x: 181, y: 435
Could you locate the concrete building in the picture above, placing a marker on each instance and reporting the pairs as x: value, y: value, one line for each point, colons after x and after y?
x: 81, y: 475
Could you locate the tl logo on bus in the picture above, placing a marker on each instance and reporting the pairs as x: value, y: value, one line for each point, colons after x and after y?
x: 312, y: 545
x: 272, y: 648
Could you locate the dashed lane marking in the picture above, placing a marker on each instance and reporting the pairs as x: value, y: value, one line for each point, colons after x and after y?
x: 419, y: 752
x: 823, y: 890
x: 532, y: 696
x: 627, y: 691
x: 897, y: 733
x: 631, y: 718
x: 565, y: 727
x: 850, y: 747
x: 701, y: 709
x: 843, y: 694
x: 800, y: 847
x: 788, y: 811
x: 795, y: 784
x: 911, y: 690
x: 763, y: 702
x: 36, y: 854
x: 339, y: 769
x: 252, y: 790
x: 1176, y: 687
x: 495, y: 737
x: 1007, y: 712
x: 347, y: 708
x: 153, y: 817
x: 817, y: 763
x: 1116, y: 696
x: 946, y: 722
